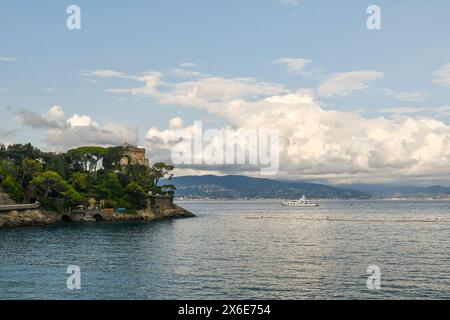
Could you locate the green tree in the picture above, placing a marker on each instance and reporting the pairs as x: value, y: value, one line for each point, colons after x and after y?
x: 88, y: 156
x: 7, y: 168
x: 109, y: 187
x: 111, y: 160
x: 79, y: 180
x: 136, y: 195
x: 29, y: 169
x: 57, y: 163
x: 3, y: 152
x: 13, y: 188
x: 161, y: 170
x: 18, y: 152
x: 51, y: 184
x: 142, y: 175
x: 168, y: 189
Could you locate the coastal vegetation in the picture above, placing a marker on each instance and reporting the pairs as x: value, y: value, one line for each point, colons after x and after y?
x: 85, y: 176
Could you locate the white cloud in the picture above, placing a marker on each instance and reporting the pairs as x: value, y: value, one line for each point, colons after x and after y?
x: 104, y: 74
x: 333, y: 145
x: 77, y: 130
x: 175, y: 123
x: 294, y: 65
x: 55, y: 113
x: 80, y: 121
x: 343, y: 84
x: 106, y: 135
x: 315, y: 143
x: 407, y: 96
x: 202, y: 92
x: 221, y: 89
x: 442, y: 75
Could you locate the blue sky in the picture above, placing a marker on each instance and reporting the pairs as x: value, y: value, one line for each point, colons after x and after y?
x: 43, y: 64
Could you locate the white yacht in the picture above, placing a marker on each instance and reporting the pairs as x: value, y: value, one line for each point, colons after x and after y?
x: 302, y: 202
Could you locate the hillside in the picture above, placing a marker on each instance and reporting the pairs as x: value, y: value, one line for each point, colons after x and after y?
x: 239, y: 187
x: 386, y: 190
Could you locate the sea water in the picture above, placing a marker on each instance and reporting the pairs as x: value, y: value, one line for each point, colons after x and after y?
x: 239, y: 250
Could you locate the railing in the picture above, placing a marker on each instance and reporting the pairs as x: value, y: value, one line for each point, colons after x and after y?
x: 12, y: 207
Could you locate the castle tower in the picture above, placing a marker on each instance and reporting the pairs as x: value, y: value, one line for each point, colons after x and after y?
x: 133, y: 155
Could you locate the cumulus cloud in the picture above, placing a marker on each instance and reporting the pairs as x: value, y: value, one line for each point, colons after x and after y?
x: 35, y: 120
x: 110, y: 134
x: 294, y: 65
x: 77, y: 130
x: 314, y: 143
x: 176, y: 123
x: 343, y: 84
x: 339, y: 146
x: 81, y: 121
x: 55, y: 113
x: 442, y: 75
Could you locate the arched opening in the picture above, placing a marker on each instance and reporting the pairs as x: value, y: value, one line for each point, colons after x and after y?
x: 66, y: 218
x: 98, y: 217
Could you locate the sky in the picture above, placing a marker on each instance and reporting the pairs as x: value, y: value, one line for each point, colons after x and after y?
x: 351, y: 104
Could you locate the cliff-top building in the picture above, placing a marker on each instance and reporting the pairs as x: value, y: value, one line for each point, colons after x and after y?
x: 133, y: 155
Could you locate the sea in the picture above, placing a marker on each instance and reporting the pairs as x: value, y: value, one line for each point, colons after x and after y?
x: 253, y: 249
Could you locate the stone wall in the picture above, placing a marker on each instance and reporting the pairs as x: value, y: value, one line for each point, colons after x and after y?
x: 156, y: 202
x: 135, y: 155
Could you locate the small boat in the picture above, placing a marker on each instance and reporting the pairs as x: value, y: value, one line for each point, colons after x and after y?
x: 302, y: 202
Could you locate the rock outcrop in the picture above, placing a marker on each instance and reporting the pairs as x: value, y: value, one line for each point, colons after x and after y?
x: 159, y: 208
x: 5, y: 199
x: 27, y: 218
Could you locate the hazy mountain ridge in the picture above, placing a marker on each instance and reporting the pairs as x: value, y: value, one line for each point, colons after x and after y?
x: 238, y: 187
x: 399, y: 190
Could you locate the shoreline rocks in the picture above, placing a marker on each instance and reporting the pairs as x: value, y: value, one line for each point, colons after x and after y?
x: 27, y: 218
x: 32, y: 218
x: 158, y: 208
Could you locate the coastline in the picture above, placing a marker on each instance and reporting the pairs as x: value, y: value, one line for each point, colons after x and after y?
x: 35, y: 218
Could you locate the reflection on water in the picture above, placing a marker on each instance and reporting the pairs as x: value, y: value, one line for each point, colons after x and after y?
x: 241, y: 249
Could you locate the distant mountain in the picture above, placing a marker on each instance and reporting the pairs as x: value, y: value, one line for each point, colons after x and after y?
x: 238, y: 187
x: 397, y: 190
